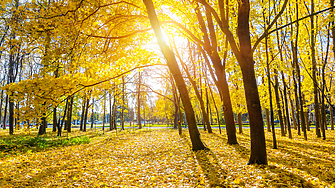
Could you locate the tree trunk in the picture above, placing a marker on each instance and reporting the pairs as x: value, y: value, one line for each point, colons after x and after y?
x: 139, y: 102
x: 123, y: 102
x: 240, y: 123
x: 331, y: 117
x: 54, y: 120
x: 205, y: 117
x: 314, y: 70
x: 268, y: 120
x: 86, y: 113
x: 11, y: 116
x: 114, y: 113
x: 83, y: 113
x: 5, y: 113
x: 293, y: 114
x: 11, y: 79
x: 216, y: 109
x: 92, y: 116
x: 274, y: 142
x: 61, y: 123
x: 286, y: 107
x: 180, y: 119
x: 300, y: 98
x: 175, y: 97
x: 69, y: 116
x: 110, y: 112
x: 219, y: 67
x: 258, y: 146
x: 1, y: 105
x: 282, y: 131
x: 297, y: 107
x: 173, y: 67
x: 104, y: 116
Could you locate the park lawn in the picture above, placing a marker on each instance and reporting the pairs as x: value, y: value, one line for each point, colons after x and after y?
x: 162, y: 158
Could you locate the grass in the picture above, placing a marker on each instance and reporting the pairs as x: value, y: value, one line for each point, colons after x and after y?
x: 22, y: 141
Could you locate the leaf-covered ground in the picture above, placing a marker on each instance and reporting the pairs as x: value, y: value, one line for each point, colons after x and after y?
x: 161, y: 158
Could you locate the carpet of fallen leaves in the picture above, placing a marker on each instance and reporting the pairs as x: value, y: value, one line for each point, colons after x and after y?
x: 162, y: 158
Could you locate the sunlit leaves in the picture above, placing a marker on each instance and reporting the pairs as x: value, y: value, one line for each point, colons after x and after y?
x: 164, y: 159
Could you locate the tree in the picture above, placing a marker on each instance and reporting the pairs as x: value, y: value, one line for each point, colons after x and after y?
x: 173, y: 67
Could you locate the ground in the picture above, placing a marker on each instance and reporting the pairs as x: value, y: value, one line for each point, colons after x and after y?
x: 162, y: 158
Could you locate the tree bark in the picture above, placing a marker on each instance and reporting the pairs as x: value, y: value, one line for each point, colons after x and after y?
x: 86, y: 113
x: 92, y: 116
x: 173, y: 67
x: 268, y: 120
x: 274, y: 140
x: 314, y: 70
x: 5, y: 112
x: 258, y: 146
x: 286, y: 107
x: 110, y: 112
x: 54, y: 120
x: 219, y: 67
x: 282, y: 131
x: 59, y: 132
x: 83, y: 113
x: 205, y: 117
x: 240, y: 123
x: 69, y: 115
x: 139, y: 102
x: 104, y: 115
x: 1, y: 104
x: 331, y: 118
x: 123, y: 102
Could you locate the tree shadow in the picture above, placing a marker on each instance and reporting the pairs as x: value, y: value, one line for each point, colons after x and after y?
x: 243, y: 151
x: 282, y: 178
x: 209, y: 165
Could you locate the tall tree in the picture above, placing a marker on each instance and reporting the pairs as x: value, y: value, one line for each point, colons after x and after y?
x: 173, y: 67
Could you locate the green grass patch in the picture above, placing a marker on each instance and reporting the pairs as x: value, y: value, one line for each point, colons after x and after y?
x: 17, y: 144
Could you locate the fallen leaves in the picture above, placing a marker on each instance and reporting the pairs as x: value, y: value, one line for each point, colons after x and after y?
x: 162, y: 158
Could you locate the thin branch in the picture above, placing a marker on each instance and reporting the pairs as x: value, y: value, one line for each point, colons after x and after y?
x: 269, y: 27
